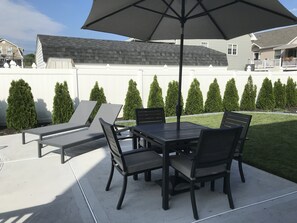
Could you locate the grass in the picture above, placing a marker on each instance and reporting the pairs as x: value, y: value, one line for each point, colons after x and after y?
x: 272, y: 144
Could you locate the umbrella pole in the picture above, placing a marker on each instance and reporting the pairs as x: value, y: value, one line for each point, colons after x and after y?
x: 181, y: 53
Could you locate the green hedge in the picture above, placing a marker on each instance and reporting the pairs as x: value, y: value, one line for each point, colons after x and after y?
x: 155, y: 99
x: 171, y: 99
x: 63, y: 107
x: 21, y: 113
x: 97, y: 94
x: 248, y: 99
x: 280, y: 94
x: 266, y: 100
x: 231, y: 98
x: 213, y: 102
x: 132, y: 101
x: 194, y: 103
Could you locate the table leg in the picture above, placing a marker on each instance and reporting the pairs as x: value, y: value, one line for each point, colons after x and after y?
x: 135, y: 176
x: 165, y: 179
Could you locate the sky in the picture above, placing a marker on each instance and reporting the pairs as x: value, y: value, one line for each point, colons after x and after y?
x: 22, y: 20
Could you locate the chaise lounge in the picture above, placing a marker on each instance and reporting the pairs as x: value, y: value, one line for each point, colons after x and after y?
x: 108, y: 112
x: 78, y: 120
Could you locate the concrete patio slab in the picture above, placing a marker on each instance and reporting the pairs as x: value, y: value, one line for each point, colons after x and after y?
x: 43, y: 190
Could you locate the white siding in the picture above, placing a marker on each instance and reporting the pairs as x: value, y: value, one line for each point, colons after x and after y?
x: 39, y: 56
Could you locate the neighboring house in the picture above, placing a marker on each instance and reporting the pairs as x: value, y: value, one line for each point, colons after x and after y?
x: 9, y: 52
x: 238, y: 50
x: 79, y: 52
x: 276, y: 49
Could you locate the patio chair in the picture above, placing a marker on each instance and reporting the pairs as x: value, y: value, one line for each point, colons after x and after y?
x: 233, y: 119
x: 211, y: 160
x: 77, y: 120
x: 127, y: 163
x: 146, y: 116
x: 107, y: 111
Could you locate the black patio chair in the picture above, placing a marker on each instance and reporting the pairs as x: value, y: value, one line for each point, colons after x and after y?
x: 130, y: 162
x: 146, y: 116
x: 233, y: 119
x: 210, y: 160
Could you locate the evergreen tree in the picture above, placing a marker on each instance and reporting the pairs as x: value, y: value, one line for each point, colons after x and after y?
x: 266, y: 100
x: 63, y: 105
x: 231, y: 98
x: 155, y: 99
x: 21, y: 113
x: 97, y: 94
x: 248, y: 99
x: 213, y: 101
x: 280, y: 94
x: 132, y: 101
x: 171, y: 99
x: 194, y: 104
x: 291, y: 92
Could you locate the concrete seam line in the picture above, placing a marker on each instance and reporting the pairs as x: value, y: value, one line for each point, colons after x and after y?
x: 22, y: 160
x: 246, y: 206
x: 83, y: 193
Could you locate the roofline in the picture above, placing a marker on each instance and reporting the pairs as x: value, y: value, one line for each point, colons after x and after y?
x: 19, y: 49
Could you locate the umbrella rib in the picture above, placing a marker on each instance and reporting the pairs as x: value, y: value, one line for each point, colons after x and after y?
x: 154, y: 11
x: 214, y: 22
x: 268, y: 10
x: 206, y: 12
x: 113, y: 13
x: 194, y: 7
x: 172, y: 9
x: 160, y: 21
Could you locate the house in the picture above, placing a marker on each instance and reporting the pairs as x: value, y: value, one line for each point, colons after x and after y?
x: 10, y: 52
x: 276, y: 49
x: 238, y: 50
x: 80, y: 52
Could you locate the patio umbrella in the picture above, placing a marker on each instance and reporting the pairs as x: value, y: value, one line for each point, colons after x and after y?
x: 186, y: 19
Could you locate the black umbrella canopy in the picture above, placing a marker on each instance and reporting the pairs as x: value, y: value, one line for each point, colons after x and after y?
x: 203, y: 19
x: 190, y: 19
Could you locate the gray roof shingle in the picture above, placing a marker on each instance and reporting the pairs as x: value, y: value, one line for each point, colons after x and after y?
x: 277, y: 37
x: 93, y: 51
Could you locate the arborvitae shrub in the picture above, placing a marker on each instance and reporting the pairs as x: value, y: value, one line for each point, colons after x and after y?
x: 171, y: 99
x: 231, y: 98
x: 248, y: 99
x: 63, y: 105
x: 97, y: 94
x: 266, y: 99
x: 280, y: 94
x: 194, y: 104
x: 291, y: 92
x: 21, y: 113
x: 132, y: 101
x: 213, y: 101
x: 155, y: 99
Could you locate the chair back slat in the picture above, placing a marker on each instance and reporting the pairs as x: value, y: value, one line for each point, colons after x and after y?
x: 233, y: 119
x: 215, y: 147
x: 114, y: 146
x: 149, y: 116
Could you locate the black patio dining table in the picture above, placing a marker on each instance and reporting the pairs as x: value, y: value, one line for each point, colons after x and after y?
x: 167, y: 136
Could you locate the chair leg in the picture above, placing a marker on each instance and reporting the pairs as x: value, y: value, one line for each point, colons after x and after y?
x: 193, y: 200
x: 110, y: 177
x: 240, y: 169
x: 123, y: 193
x: 147, y: 176
x: 212, y: 185
x: 228, y: 190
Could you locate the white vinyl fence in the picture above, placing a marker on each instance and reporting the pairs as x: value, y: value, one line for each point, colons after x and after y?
x: 114, y: 80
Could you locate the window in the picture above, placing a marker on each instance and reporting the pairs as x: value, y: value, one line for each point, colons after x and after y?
x: 9, y: 50
x: 277, y: 54
x: 204, y: 44
x: 232, y: 49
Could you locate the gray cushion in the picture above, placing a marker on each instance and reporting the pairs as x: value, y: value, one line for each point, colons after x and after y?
x: 143, y: 160
x: 184, y: 165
